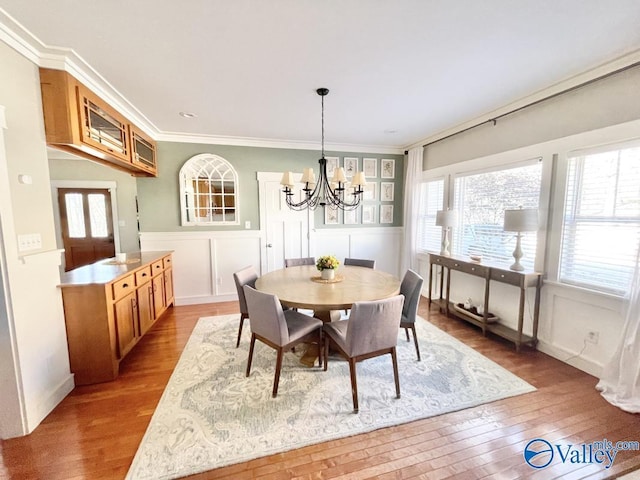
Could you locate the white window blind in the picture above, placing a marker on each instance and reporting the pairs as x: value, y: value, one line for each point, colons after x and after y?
x: 481, y: 200
x: 431, y: 200
x: 601, y: 220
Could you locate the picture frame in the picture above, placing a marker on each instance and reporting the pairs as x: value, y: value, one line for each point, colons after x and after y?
x: 368, y: 214
x: 350, y: 166
x: 386, y: 213
x: 332, y: 165
x: 369, y: 192
x: 387, y: 168
x: 387, y: 191
x: 351, y: 217
x: 370, y: 167
x: 331, y: 216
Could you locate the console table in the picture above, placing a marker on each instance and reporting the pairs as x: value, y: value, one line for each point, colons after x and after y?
x: 522, y: 280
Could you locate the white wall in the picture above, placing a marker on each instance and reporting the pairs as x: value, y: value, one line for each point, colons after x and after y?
x: 34, y: 317
x: 204, y: 262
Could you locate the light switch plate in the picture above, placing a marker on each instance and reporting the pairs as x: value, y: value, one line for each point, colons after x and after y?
x: 29, y: 241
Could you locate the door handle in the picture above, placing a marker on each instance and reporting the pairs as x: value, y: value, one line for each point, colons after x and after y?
x: 269, y: 245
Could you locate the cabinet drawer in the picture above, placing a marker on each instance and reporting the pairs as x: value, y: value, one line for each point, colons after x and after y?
x: 472, y: 268
x: 143, y: 275
x: 156, y: 267
x: 167, y: 262
x: 444, y: 261
x: 505, y: 276
x: 123, y: 287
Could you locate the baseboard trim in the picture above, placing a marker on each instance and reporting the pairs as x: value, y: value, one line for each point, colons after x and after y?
x: 204, y: 299
x: 571, y: 358
x: 50, y: 402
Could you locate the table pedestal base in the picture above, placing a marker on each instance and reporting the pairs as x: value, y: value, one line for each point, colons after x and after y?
x: 327, y: 315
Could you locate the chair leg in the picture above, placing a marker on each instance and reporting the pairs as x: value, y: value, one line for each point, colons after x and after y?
x: 253, y: 342
x: 320, y: 347
x: 406, y: 330
x: 415, y: 340
x: 276, y: 380
x: 396, y: 377
x: 242, y: 317
x: 326, y: 352
x: 354, y: 384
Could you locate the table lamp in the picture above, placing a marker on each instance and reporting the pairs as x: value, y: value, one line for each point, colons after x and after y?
x: 520, y: 220
x: 445, y: 219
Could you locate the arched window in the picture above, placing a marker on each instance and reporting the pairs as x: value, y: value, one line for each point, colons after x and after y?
x: 208, y: 191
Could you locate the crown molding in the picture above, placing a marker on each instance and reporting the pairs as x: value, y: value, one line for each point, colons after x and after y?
x: 16, y: 36
x: 24, y: 42
x: 566, y: 84
x: 270, y: 143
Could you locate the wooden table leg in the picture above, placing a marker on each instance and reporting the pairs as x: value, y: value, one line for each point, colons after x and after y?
x: 311, y: 355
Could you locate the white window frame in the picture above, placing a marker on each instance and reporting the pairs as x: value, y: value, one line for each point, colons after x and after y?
x: 209, y: 164
x: 568, y: 158
x: 545, y: 152
x: 497, y: 168
x: 445, y: 180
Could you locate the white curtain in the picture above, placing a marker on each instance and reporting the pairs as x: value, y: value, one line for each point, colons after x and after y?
x: 620, y: 382
x: 411, y: 205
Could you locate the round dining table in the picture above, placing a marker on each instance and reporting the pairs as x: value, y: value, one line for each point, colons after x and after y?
x: 302, y: 287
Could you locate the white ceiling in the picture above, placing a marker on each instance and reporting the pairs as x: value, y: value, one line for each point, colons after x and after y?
x: 399, y: 71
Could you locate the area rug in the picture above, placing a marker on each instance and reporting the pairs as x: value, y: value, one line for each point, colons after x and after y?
x: 211, y: 415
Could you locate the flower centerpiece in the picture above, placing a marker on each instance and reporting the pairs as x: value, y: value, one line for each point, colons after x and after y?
x: 327, y: 265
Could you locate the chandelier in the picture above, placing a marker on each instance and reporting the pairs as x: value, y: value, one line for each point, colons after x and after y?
x: 324, y: 192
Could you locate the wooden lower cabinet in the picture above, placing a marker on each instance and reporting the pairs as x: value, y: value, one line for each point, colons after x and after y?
x: 159, y: 305
x: 108, y: 308
x: 168, y: 286
x: 126, y: 318
x: 146, y: 315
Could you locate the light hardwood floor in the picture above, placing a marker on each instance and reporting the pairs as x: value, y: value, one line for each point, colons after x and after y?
x: 95, y: 431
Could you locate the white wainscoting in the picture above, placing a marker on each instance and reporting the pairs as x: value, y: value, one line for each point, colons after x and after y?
x: 566, y: 315
x: 384, y: 245
x: 204, y: 262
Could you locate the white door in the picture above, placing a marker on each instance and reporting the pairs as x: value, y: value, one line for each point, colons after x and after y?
x: 285, y: 231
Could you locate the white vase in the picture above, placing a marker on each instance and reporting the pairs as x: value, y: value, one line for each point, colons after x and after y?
x: 328, y: 274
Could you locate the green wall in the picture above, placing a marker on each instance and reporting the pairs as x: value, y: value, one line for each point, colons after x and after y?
x: 159, y: 202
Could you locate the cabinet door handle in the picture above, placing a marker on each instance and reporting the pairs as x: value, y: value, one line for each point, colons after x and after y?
x: 144, y: 274
x: 125, y: 285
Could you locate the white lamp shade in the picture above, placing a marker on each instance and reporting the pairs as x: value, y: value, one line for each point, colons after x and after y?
x: 308, y: 176
x: 339, y: 176
x: 358, y: 180
x: 446, y: 218
x: 521, y: 220
x: 287, y: 179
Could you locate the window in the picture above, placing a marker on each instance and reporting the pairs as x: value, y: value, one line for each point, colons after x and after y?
x: 601, y: 227
x: 481, y: 200
x: 431, y: 200
x: 208, y: 188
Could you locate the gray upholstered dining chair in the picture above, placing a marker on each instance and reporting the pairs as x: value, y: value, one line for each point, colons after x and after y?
x: 246, y: 276
x: 411, y: 287
x: 278, y: 329
x: 370, y: 331
x: 294, y: 262
x: 360, y: 262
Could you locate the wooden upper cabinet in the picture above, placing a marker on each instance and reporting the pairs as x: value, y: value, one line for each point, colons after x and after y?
x: 143, y: 150
x: 78, y: 121
x: 101, y: 127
